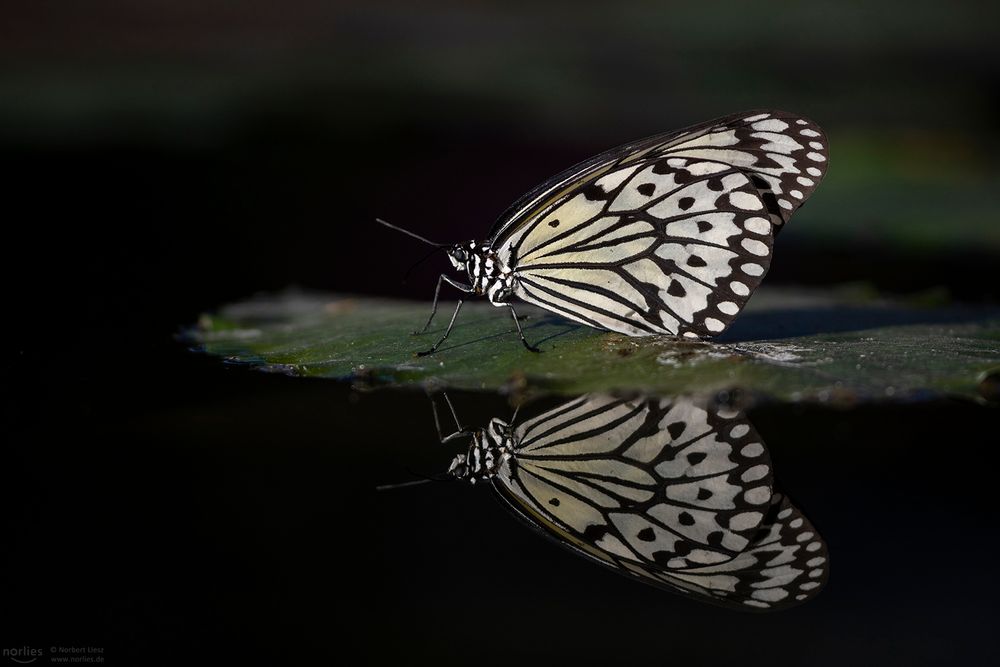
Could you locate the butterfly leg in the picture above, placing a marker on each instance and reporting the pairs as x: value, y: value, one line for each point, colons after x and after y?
x: 520, y: 333
x: 437, y: 292
x: 447, y: 331
x: 462, y: 431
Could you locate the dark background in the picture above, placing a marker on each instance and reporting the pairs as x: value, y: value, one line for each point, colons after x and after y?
x: 162, y: 158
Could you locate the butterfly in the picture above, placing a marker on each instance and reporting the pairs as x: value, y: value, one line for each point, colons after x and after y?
x: 677, y: 493
x: 667, y: 235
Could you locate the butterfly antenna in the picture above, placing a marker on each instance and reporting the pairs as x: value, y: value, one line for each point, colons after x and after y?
x: 423, y: 479
x: 409, y: 233
x: 412, y: 482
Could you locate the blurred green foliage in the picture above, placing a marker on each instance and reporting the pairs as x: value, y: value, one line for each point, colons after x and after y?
x: 907, y: 90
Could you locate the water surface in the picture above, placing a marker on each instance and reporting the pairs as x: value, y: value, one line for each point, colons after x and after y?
x: 220, y: 512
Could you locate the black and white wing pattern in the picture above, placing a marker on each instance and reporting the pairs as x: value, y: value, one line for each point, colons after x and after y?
x: 666, y: 483
x: 668, y: 235
x: 675, y: 492
x: 787, y: 564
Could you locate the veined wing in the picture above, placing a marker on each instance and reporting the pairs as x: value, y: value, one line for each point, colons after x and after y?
x: 785, y: 153
x: 660, y: 484
x: 787, y: 564
x: 670, y: 235
x: 668, y: 246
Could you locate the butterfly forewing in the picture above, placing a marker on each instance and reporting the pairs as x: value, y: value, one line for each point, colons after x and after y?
x: 668, y: 235
x: 787, y: 149
x: 784, y: 154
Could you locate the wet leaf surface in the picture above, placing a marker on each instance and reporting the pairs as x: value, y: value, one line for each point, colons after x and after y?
x: 842, y: 346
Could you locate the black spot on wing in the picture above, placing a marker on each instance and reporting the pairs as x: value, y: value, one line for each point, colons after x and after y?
x: 696, y: 261
x: 694, y: 458
x: 646, y: 189
x: 676, y: 429
x: 663, y: 557
x: 685, y: 203
x: 661, y: 167
x: 594, y: 192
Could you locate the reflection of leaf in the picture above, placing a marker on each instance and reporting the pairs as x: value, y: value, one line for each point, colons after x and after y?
x: 788, y: 344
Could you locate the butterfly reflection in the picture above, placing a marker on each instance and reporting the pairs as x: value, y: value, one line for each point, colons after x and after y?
x: 675, y: 492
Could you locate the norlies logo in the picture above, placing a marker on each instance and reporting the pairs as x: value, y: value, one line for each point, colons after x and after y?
x: 24, y: 655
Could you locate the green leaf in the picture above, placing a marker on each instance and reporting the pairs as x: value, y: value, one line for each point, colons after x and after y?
x: 843, y: 345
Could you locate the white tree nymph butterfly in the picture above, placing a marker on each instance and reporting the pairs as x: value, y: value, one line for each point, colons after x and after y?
x: 669, y: 235
x: 673, y: 492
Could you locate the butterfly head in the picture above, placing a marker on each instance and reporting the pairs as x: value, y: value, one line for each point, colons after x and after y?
x: 489, y: 450
x: 461, y: 253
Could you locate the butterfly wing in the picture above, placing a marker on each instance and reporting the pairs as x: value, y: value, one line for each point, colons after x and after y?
x: 669, y: 235
x: 787, y: 564
x: 784, y: 154
x: 658, y: 484
x: 676, y: 494
x: 682, y: 261
x: 784, y: 151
